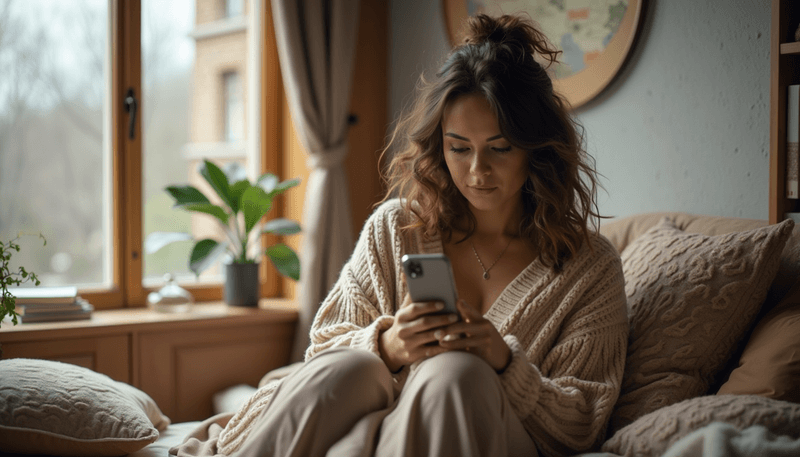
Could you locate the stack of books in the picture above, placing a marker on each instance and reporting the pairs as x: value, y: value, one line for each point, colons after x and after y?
x: 50, y: 304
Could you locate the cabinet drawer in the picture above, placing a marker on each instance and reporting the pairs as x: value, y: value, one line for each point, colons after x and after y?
x: 109, y: 355
x: 182, y: 370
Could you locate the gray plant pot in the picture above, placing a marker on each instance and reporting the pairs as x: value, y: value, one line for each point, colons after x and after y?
x: 241, y: 284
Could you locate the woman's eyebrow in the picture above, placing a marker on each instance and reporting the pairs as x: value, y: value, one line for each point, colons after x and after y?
x: 459, y: 137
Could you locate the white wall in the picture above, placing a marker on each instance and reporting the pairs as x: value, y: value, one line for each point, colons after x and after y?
x: 685, y: 126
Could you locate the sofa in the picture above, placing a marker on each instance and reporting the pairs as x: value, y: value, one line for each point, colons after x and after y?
x: 713, y: 363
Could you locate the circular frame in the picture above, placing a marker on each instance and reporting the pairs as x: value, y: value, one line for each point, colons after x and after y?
x: 583, y: 86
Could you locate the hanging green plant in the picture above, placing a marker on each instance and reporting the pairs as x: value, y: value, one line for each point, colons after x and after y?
x: 11, y: 278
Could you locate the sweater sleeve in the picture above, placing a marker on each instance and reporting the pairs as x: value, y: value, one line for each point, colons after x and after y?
x: 362, y: 302
x: 566, y: 400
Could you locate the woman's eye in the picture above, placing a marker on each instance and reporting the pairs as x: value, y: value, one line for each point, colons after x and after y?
x: 506, y: 149
x: 458, y: 150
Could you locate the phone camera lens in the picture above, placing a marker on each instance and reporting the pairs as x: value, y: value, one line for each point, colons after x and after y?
x: 414, y: 269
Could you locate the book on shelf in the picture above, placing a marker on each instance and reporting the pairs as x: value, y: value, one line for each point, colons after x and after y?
x: 43, y: 308
x: 63, y: 295
x: 37, y: 313
x: 793, y: 141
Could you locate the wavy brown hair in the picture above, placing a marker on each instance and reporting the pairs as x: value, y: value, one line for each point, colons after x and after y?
x: 500, y: 59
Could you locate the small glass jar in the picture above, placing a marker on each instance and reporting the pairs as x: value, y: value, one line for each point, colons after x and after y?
x: 171, y: 298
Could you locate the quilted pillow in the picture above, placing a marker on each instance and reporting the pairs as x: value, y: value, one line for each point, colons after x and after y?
x: 652, y: 434
x: 691, y: 297
x: 56, y: 408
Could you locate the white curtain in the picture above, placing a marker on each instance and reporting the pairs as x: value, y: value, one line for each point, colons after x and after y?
x: 316, y: 47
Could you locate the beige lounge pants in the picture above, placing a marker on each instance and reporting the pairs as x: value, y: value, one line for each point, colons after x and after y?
x: 342, y: 403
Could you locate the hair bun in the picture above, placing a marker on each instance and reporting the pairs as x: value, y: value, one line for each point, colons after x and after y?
x: 514, y: 31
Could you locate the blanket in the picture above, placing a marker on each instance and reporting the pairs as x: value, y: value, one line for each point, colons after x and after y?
x: 717, y: 439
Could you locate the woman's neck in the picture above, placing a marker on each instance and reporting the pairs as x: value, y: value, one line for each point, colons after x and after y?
x: 497, y: 224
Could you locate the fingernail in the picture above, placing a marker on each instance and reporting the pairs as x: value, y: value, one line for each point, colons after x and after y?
x: 452, y: 318
x: 438, y: 334
x: 450, y: 338
x: 439, y: 306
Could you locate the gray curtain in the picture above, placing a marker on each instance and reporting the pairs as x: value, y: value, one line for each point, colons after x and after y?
x: 316, y: 47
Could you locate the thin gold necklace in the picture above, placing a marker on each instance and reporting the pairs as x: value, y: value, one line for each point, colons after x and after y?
x: 486, y: 270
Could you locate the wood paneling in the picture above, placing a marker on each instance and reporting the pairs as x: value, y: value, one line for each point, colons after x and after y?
x: 181, y: 371
x: 109, y: 355
x: 369, y: 101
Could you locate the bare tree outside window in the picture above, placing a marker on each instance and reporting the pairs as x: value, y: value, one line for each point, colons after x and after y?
x: 53, y: 153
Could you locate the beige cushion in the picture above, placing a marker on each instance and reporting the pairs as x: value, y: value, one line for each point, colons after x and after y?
x: 770, y: 362
x: 622, y: 232
x: 56, y: 408
x: 691, y: 297
x: 651, y: 435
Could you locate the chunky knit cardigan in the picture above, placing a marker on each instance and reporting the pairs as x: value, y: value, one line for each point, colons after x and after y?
x: 568, y: 331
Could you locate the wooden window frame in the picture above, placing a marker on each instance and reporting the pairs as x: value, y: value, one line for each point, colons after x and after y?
x: 128, y: 290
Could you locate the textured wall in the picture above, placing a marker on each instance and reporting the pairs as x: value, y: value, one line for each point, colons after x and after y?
x: 685, y: 127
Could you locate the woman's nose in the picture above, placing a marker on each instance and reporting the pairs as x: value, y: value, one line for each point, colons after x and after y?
x: 479, y: 165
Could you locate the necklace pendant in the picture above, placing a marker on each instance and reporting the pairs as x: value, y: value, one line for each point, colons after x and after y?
x: 485, y: 275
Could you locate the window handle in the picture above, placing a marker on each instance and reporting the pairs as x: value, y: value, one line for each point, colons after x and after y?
x: 131, y: 106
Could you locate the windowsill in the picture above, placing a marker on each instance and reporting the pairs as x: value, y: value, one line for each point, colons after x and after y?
x: 208, y: 314
x: 220, y: 27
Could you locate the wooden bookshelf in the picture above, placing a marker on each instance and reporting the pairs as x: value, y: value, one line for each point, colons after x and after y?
x: 784, y: 71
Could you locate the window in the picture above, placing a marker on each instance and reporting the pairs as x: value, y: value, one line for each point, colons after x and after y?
x: 55, y: 151
x: 233, y: 8
x: 233, y: 107
x: 71, y: 168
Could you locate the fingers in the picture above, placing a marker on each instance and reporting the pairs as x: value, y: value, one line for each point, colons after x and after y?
x: 416, y: 310
x: 468, y: 313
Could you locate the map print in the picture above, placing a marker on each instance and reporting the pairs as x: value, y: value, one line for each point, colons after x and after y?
x: 579, y: 28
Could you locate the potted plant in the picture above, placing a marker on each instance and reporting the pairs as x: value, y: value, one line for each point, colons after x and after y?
x: 240, y: 210
x: 10, y: 277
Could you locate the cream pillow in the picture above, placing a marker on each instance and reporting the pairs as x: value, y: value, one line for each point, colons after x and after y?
x: 691, y: 298
x: 56, y: 408
x: 651, y: 435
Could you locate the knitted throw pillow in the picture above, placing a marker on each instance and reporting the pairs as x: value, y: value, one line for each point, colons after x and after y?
x: 691, y: 297
x: 56, y: 408
x: 653, y: 434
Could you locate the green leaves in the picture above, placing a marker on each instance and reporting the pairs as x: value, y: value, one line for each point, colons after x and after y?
x: 204, y: 254
x: 255, y: 204
x: 240, y: 206
x: 218, y: 181
x: 281, y: 226
x: 285, y: 260
x: 9, y: 277
x: 186, y: 195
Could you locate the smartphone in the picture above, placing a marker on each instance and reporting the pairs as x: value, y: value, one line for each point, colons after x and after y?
x: 430, y: 278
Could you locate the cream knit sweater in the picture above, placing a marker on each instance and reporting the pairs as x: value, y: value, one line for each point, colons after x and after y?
x: 568, y: 331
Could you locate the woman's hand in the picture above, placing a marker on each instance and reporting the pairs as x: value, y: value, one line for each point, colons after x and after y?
x: 476, y: 335
x: 410, y: 336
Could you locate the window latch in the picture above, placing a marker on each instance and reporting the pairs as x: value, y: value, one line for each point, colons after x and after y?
x: 131, y: 106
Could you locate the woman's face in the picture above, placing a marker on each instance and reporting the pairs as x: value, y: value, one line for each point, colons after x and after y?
x: 485, y: 167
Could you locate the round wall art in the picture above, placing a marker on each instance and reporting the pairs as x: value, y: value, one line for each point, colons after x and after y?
x: 596, y: 36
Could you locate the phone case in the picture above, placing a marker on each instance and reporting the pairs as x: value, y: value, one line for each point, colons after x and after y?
x: 430, y: 277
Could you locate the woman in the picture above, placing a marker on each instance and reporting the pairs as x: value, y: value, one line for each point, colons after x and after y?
x: 492, y: 173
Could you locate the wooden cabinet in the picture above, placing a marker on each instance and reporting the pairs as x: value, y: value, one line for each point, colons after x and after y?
x: 180, y: 360
x: 784, y: 71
